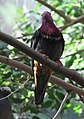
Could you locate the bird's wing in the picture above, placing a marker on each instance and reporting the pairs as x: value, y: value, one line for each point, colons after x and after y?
x: 35, y: 39
x: 63, y: 42
x: 34, y: 42
x: 41, y: 72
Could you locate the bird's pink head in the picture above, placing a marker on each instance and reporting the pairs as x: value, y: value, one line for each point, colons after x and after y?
x: 48, y: 27
x: 46, y: 17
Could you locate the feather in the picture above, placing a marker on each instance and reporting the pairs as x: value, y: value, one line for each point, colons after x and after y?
x: 48, y: 41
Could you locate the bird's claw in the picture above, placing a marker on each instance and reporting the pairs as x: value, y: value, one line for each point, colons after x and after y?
x: 59, y: 63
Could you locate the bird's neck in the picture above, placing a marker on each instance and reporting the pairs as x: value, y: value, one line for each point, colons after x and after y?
x: 48, y: 28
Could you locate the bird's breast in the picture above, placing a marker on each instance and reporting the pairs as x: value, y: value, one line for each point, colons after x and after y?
x: 47, y: 30
x: 50, y: 47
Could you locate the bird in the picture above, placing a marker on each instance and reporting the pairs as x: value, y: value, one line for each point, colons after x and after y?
x: 48, y: 41
x: 5, y: 106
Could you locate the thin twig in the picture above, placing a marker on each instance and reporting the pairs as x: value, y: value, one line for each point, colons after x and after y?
x: 80, y: 96
x: 78, y: 52
x: 16, y: 89
x: 61, y: 106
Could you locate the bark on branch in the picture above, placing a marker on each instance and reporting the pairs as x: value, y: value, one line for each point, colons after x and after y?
x: 80, y: 19
x: 67, y: 19
x: 53, y: 79
x: 71, y: 74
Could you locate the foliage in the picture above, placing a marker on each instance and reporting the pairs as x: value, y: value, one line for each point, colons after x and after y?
x: 23, y: 101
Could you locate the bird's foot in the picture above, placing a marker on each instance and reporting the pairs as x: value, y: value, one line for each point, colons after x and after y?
x: 59, y: 63
x: 44, y: 55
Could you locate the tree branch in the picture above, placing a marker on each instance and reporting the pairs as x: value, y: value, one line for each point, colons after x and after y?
x: 21, y: 86
x: 71, y: 74
x: 67, y: 19
x: 16, y: 64
x: 80, y: 19
x: 53, y: 79
x: 61, y: 106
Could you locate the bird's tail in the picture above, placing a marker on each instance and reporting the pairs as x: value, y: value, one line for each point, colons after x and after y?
x: 41, y: 75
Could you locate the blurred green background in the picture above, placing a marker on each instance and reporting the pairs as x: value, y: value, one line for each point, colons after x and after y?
x: 21, y: 18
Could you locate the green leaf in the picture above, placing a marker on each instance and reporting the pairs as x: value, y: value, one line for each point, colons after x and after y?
x: 35, y: 117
